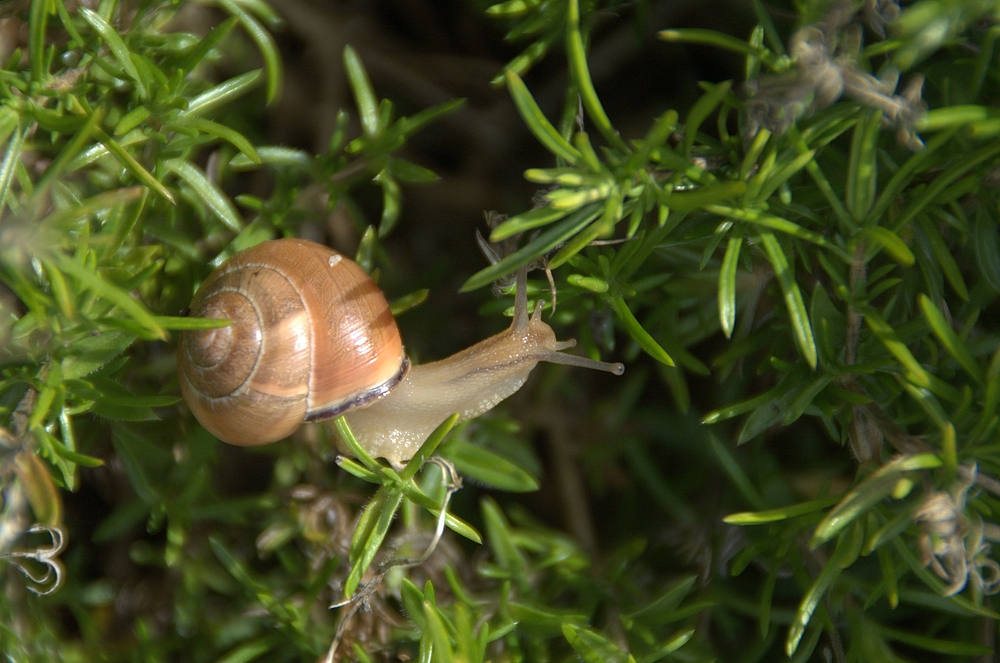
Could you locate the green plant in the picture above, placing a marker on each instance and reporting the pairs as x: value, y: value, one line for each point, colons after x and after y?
x: 809, y: 265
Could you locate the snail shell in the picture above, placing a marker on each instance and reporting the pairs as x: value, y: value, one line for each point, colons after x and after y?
x: 311, y: 337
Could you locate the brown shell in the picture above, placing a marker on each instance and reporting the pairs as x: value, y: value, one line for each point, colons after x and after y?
x: 311, y: 337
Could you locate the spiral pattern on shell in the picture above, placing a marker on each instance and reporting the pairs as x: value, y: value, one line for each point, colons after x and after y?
x: 311, y: 337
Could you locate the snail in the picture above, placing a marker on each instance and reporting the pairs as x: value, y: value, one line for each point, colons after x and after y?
x: 312, y: 337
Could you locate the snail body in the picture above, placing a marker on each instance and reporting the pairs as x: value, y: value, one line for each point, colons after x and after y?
x: 337, y: 350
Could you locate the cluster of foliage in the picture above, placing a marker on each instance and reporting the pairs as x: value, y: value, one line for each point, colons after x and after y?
x: 817, y: 248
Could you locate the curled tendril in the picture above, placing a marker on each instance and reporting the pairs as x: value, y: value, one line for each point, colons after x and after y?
x: 878, y: 14
x: 826, y: 68
x: 953, y: 545
x: 47, y: 556
x: 497, y: 251
x: 452, y: 483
